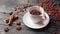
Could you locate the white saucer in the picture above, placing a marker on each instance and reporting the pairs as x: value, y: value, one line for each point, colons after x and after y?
x: 28, y: 22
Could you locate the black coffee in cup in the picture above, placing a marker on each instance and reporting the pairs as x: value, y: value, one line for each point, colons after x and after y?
x: 35, y: 12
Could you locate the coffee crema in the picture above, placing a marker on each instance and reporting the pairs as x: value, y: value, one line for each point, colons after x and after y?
x: 35, y: 12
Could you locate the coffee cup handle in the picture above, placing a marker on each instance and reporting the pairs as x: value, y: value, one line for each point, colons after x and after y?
x: 44, y: 17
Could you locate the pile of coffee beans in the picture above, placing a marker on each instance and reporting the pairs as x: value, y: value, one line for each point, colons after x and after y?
x: 52, y: 8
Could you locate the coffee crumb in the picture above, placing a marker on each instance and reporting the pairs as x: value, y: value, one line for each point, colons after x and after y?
x: 4, y: 12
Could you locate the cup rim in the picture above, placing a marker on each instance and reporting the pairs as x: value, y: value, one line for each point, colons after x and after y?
x: 40, y: 9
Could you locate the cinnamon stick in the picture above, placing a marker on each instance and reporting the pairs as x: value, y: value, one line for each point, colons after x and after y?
x: 11, y: 19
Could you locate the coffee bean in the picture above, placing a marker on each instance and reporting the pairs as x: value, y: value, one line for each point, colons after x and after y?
x: 18, y: 23
x: 6, y: 29
x: 18, y: 27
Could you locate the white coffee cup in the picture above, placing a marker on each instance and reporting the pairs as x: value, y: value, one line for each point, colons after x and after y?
x: 37, y: 18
